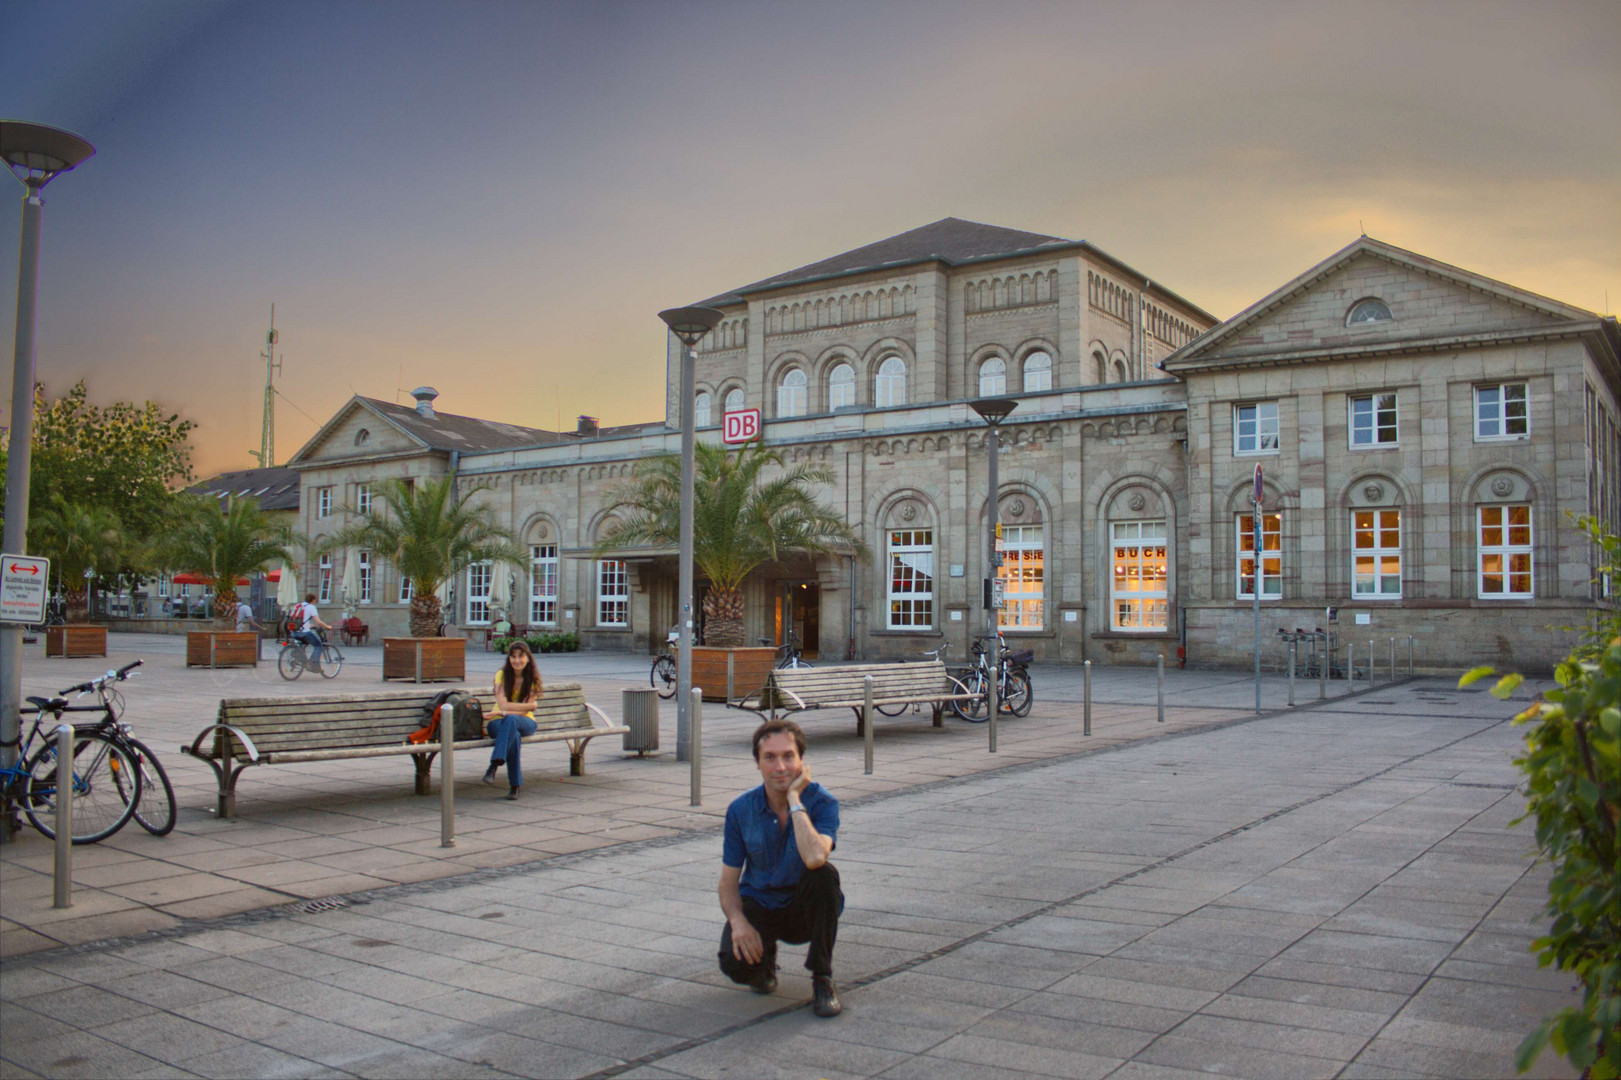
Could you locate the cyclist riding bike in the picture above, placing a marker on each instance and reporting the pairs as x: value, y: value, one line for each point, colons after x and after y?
x: 308, y: 618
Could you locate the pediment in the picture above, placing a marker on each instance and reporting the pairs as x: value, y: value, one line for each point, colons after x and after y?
x: 354, y: 431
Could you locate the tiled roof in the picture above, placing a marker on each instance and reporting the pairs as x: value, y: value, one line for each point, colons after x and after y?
x: 949, y: 240
x: 447, y: 431
x: 275, y: 488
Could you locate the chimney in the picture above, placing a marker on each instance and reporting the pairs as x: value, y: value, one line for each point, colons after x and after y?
x: 425, y: 396
x: 586, y: 427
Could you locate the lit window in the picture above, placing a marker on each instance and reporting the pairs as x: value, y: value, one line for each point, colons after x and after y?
x: 1505, y: 552
x: 365, y: 577
x: 1376, y: 554
x: 1038, y: 372
x: 841, y: 387
x: 702, y: 406
x: 363, y: 498
x: 613, y: 593
x: 993, y: 377
x: 478, y: 593
x: 1271, y: 556
x: 324, y: 593
x: 1502, y: 412
x: 734, y: 399
x: 791, y: 394
x: 1021, y: 574
x: 1367, y: 311
x: 911, y: 579
x: 891, y: 384
x: 1255, y: 428
x: 1139, y: 591
x: 1373, y: 420
x: 543, y: 584
x: 323, y: 502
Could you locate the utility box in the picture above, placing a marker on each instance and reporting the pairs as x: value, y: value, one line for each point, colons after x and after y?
x: 641, y: 713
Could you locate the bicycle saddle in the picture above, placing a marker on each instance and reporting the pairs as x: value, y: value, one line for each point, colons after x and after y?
x: 52, y: 704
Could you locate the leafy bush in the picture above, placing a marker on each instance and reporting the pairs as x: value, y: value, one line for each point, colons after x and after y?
x: 541, y: 643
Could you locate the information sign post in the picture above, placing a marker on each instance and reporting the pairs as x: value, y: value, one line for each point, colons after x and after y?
x: 22, y: 588
x: 1257, y: 578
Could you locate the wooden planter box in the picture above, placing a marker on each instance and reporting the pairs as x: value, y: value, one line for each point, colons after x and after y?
x: 77, y: 640
x: 222, y: 648
x: 431, y: 659
x: 726, y: 674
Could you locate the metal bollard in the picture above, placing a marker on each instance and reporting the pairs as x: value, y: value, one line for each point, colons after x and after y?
x: 1409, y: 656
x: 1372, y: 660
x: 1162, y: 688
x: 447, y: 776
x: 1291, y: 673
x: 696, y: 741
x: 1392, y: 659
x: 63, y: 892
x: 1350, y: 667
x: 866, y: 721
x: 1086, y: 669
x: 1322, y: 671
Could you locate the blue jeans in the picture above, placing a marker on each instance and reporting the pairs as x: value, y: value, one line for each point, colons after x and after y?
x: 313, y: 640
x: 508, y: 732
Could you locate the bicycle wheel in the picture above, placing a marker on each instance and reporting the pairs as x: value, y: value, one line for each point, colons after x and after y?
x: 663, y: 675
x: 106, y: 787
x: 155, y: 809
x: 290, y: 662
x: 331, y: 662
x: 976, y: 711
x: 1020, y: 696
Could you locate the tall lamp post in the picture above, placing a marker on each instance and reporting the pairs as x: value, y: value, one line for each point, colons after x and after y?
x: 993, y: 411
x: 689, y: 325
x: 36, y: 154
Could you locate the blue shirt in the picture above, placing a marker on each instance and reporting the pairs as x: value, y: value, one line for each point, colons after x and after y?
x: 766, y: 851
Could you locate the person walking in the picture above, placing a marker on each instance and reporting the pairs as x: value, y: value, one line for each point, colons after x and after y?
x: 517, y: 691
x: 775, y: 881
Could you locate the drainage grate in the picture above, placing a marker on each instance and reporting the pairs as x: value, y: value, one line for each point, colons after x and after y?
x: 325, y: 903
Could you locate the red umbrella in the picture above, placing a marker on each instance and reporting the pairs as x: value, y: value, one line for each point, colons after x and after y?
x: 197, y: 579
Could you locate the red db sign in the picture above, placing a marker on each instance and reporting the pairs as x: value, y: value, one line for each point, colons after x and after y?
x: 740, y: 425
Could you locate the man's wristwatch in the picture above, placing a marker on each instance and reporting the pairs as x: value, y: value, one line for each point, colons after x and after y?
x: 796, y: 808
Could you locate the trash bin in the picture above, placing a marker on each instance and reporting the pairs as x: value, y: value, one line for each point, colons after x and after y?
x: 641, y: 712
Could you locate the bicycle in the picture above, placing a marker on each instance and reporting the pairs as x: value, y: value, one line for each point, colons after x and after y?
x: 663, y: 674
x: 789, y: 654
x: 896, y: 710
x: 1014, y: 693
x: 294, y: 659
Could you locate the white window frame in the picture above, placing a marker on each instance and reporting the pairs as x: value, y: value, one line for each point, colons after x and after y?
x: 841, y: 387
x: 1023, y: 573
x: 406, y: 591
x: 479, y: 577
x: 1040, y: 377
x: 163, y: 585
x: 1135, y: 608
x: 613, y: 593
x: 889, y: 388
x: 543, y: 577
x: 1264, y: 422
x: 791, y: 393
x: 364, y: 568
x: 993, y: 377
x: 363, y: 498
x: 734, y: 400
x: 1496, y: 398
x: 1271, y: 555
x: 1506, y: 551
x: 909, y: 579
x: 323, y: 502
x: 324, y: 593
x: 703, y: 407
x: 1377, y: 552
x: 1365, y: 416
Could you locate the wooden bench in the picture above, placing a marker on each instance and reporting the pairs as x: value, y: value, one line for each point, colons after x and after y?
x: 844, y: 687
x: 342, y: 727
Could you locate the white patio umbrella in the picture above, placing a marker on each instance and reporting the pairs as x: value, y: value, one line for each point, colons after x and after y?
x: 287, y: 587
x: 500, y: 589
x: 349, y: 590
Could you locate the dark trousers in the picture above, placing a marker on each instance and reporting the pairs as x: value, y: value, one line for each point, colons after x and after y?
x: 812, y: 915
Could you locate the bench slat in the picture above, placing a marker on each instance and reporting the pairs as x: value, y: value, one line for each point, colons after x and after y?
x: 289, y: 756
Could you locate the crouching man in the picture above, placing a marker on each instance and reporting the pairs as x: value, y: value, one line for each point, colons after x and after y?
x: 775, y: 881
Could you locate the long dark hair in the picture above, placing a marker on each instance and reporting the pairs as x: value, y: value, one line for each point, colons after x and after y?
x: 531, y: 674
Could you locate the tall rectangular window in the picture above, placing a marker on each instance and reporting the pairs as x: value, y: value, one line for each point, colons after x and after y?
x: 1505, y: 552
x: 1021, y: 574
x: 613, y: 593
x: 911, y: 579
x: 365, y: 576
x: 323, y: 502
x: 1502, y: 411
x: 363, y: 498
x: 1271, y: 556
x: 1373, y: 420
x: 1139, y: 591
x: 163, y: 584
x: 543, y: 584
x: 1255, y: 428
x: 478, y: 593
x: 406, y: 591
x: 1376, y: 554
x: 324, y: 593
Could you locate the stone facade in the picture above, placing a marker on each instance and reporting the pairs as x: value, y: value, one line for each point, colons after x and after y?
x: 1121, y: 478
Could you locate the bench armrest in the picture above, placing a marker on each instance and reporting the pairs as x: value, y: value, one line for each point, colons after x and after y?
x: 597, y: 714
x: 240, y: 735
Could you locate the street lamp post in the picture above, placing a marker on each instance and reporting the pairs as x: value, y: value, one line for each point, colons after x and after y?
x: 36, y: 154
x: 689, y: 325
x: 993, y: 411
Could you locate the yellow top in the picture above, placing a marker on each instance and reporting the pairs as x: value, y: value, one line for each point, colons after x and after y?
x: 526, y: 710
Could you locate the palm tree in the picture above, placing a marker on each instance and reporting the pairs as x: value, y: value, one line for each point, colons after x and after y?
x: 222, y: 542
x: 740, y: 522
x: 79, y: 539
x: 431, y: 536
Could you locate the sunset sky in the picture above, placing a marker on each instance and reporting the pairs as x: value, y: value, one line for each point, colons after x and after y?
x: 497, y: 198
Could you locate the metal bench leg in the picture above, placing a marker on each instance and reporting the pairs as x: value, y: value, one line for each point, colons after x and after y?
x: 939, y: 713
x: 861, y: 727
x: 423, y: 763
x: 226, y: 808
x: 576, y: 756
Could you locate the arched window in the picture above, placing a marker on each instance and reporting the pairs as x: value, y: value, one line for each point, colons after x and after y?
x: 362, y: 437
x: 993, y: 377
x: 1038, y: 372
x: 841, y: 387
x: 891, y: 383
x: 1119, y: 371
x: 791, y: 394
x: 1102, y: 364
x: 1371, y: 310
x: 702, y: 407
x: 734, y: 399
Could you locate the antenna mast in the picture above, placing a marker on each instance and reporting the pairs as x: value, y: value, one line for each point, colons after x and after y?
x: 267, y: 432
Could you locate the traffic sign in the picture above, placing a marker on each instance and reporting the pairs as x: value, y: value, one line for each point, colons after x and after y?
x: 22, y: 588
x: 1255, y: 497
x: 740, y: 426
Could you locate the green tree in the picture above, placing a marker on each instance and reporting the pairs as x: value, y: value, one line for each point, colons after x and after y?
x: 80, y: 540
x: 741, y: 521
x: 222, y: 542
x: 430, y: 535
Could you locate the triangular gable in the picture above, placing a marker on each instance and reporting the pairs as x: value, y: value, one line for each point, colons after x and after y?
x: 334, y: 430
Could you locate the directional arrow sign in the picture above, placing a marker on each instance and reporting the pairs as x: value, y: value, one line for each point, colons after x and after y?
x: 22, y: 588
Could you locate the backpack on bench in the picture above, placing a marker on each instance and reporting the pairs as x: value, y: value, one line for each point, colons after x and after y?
x: 467, y: 717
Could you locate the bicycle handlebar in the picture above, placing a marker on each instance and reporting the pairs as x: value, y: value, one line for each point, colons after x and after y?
x: 120, y: 675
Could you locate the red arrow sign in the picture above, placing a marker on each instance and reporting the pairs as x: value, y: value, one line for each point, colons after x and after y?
x: 15, y: 569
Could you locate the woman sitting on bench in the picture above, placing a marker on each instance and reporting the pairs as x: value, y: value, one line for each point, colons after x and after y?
x: 517, y: 691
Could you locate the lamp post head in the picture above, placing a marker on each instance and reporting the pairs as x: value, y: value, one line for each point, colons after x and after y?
x: 37, y: 154
x: 691, y: 323
x: 993, y: 410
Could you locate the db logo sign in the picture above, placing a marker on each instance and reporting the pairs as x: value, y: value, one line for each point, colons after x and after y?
x: 740, y: 426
